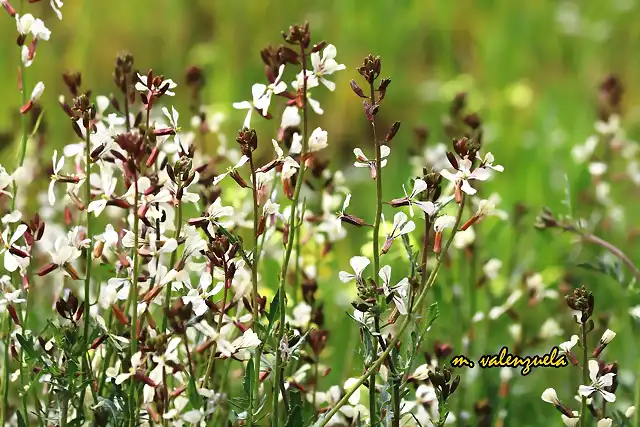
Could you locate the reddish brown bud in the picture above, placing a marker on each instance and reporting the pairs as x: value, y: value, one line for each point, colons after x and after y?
x: 47, y: 269
x: 393, y: 130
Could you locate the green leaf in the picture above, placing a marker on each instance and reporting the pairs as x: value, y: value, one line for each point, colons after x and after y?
x: 194, y: 397
x: 607, y: 266
x: 248, y: 378
x: 28, y: 347
x: 295, y: 417
x: 274, y: 308
x: 432, y: 314
x: 21, y: 422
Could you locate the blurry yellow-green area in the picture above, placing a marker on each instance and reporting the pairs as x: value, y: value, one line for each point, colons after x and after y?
x: 531, y: 69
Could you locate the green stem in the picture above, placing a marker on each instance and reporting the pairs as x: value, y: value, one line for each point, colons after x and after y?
x: 174, y: 255
x: 585, y: 374
x: 254, y: 294
x: 636, y: 416
x: 133, y: 298
x: 88, y: 254
x: 291, y: 239
x: 212, y: 357
x: 376, y: 250
x: 5, y: 370
x: 167, y: 302
x: 107, y: 360
x: 408, y: 319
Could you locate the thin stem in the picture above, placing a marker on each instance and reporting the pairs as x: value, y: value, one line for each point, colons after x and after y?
x: 106, y: 363
x: 585, y: 374
x: 167, y: 302
x: 22, y: 149
x: 5, y: 370
x: 133, y: 298
x: 254, y: 294
x: 376, y: 251
x: 212, y: 356
x: 89, y: 256
x: 408, y: 319
x: 172, y: 262
x: 292, y: 232
x: 615, y: 251
x: 636, y: 417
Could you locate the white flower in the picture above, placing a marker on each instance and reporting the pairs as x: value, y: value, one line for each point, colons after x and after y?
x: 487, y: 162
x: 290, y: 117
x: 597, y: 169
x: 399, y: 290
x: 326, y: 66
x: 136, y: 362
x: 598, y: 383
x: 58, y: 164
x: 241, y: 346
x: 464, y: 175
x: 24, y: 23
x: 464, y: 238
x: 301, y: 315
x: 143, y: 85
x: 605, y: 422
x: 401, y: 226
x: 363, y: 162
x: 312, y: 81
x: 198, y: 297
x: 289, y: 167
x: 241, y: 162
x: 566, y: 346
x: 498, y: 311
x: 64, y: 251
x: 443, y: 222
x: 107, y: 182
x: 581, y: 153
x: 257, y: 90
x: 491, y: 268
x: 317, y: 140
x: 358, y: 264
x: 419, y: 185
x: 37, y: 92
x: 39, y: 31
x: 11, y: 261
x: 56, y: 5
x: 550, y: 328
x: 571, y: 421
x: 550, y: 396
x: 631, y: 410
x: 607, y: 336
x: 610, y: 127
x: 264, y: 100
x: 10, y: 298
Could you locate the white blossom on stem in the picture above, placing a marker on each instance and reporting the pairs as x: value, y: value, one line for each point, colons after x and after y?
x: 598, y: 383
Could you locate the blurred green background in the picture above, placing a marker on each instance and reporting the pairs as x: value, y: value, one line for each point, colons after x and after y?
x: 531, y: 69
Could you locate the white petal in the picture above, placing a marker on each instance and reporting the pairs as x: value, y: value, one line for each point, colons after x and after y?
x: 346, y: 277
x: 585, y: 390
x: 418, y: 187
x: 385, y: 275
x: 448, y: 175
x: 467, y: 188
x: 359, y: 263
x: 609, y: 397
x: 594, y: 368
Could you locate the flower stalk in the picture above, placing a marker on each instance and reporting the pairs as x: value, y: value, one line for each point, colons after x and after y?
x: 408, y: 319
x: 293, y: 230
